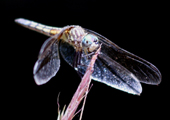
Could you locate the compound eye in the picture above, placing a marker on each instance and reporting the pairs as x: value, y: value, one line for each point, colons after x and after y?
x: 88, y: 43
x: 95, y: 40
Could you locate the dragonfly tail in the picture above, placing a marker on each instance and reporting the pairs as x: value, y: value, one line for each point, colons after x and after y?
x: 44, y: 29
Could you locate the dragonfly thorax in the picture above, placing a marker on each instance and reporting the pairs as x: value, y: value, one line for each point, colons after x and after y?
x: 74, y: 36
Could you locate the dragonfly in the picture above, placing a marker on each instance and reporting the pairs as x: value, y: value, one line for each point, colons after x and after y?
x: 114, y: 66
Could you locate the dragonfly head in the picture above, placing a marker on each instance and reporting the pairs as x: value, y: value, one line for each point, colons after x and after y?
x: 90, y: 42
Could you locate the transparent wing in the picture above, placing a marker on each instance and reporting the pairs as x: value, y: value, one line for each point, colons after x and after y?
x: 106, y: 70
x: 46, y: 47
x: 48, y: 62
x: 142, y: 69
x: 47, y: 65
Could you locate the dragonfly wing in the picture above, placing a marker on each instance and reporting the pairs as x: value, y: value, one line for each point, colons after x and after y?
x: 46, y: 47
x: 48, y: 62
x: 47, y: 66
x: 106, y: 70
x: 67, y: 52
x: 142, y: 69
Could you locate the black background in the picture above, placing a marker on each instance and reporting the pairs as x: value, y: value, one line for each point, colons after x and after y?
x: 137, y: 27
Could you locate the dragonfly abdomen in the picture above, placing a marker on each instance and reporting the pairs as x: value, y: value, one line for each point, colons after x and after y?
x: 44, y: 29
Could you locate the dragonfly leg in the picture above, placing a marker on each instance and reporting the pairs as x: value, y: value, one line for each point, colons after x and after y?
x: 89, y: 54
x: 77, y: 59
x: 80, y: 74
x: 77, y: 62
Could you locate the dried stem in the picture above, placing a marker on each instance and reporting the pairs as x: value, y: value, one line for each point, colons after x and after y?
x: 80, y: 93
